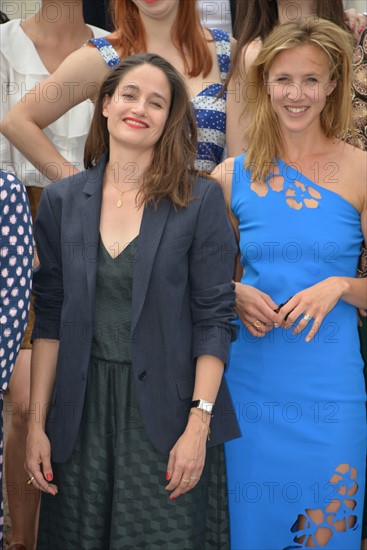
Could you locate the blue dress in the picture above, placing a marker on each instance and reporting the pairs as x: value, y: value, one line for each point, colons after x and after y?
x: 209, y: 104
x: 298, y: 471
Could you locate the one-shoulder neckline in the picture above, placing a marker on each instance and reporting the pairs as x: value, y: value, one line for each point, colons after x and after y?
x: 280, y: 161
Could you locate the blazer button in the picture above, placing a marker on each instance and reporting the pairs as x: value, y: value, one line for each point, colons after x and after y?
x: 142, y: 375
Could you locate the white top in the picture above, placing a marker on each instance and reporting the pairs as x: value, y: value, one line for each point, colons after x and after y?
x: 216, y: 14
x: 20, y: 70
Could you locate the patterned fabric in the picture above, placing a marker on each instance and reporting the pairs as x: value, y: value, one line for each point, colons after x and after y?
x: 16, y: 256
x: 112, y: 320
x: 209, y: 104
x: 360, y: 114
x: 107, y: 51
x: 360, y: 90
x: 210, y: 110
x: 112, y: 491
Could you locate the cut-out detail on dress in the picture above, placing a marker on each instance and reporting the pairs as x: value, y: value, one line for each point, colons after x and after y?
x: 259, y: 188
x: 297, y: 194
x: 276, y: 183
x: 316, y: 527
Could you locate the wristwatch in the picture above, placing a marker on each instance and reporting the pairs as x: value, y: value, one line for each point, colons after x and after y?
x: 203, y: 405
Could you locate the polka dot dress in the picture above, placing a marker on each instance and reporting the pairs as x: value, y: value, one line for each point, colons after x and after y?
x: 16, y: 256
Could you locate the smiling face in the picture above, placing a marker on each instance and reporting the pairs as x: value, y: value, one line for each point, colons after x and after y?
x: 298, y: 85
x: 137, y: 111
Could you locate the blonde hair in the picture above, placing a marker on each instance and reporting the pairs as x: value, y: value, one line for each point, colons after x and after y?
x: 263, y: 132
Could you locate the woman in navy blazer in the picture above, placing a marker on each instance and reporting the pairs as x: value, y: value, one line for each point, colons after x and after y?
x: 138, y: 189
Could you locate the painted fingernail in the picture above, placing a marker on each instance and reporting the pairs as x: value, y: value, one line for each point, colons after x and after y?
x: 172, y: 498
x: 49, y: 477
x: 168, y: 476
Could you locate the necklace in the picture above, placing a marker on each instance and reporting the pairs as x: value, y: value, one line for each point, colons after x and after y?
x: 122, y: 191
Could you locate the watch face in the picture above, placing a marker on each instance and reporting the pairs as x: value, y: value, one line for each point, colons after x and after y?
x: 205, y: 406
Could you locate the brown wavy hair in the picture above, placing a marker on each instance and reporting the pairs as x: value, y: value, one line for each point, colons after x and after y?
x: 256, y: 19
x: 263, y: 132
x: 170, y: 174
x: 188, y: 35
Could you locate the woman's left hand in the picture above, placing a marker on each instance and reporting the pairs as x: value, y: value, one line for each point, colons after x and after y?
x: 187, y: 458
x: 314, y: 303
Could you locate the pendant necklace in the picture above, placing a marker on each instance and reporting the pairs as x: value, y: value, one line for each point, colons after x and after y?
x: 121, y: 191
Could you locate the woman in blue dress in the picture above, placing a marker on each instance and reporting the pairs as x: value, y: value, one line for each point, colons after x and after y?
x: 297, y: 200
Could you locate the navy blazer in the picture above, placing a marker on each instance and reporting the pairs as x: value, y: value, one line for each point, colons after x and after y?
x: 182, y: 304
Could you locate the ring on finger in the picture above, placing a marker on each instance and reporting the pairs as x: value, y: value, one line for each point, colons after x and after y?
x: 194, y: 477
x: 185, y: 480
x: 30, y: 479
x: 257, y: 324
x: 307, y: 317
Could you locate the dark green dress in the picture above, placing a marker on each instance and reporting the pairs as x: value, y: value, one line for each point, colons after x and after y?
x: 111, y: 492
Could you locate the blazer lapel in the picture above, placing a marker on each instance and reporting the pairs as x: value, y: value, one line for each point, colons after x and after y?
x: 90, y: 213
x: 152, y: 226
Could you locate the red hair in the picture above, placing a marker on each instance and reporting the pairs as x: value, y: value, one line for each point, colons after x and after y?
x: 188, y: 35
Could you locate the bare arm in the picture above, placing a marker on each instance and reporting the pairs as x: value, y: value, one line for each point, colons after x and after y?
x: 38, y: 450
x: 238, y: 93
x: 236, y: 123
x: 5, y: 155
x: 48, y: 292
x: 318, y: 300
x: 78, y: 78
x: 187, y: 457
x: 212, y: 301
x: 43, y: 365
x: 223, y: 176
x: 252, y: 305
x: 355, y: 290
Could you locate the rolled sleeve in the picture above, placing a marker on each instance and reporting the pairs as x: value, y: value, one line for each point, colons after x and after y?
x: 212, y: 259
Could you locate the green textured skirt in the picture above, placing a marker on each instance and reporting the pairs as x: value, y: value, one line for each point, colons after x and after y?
x: 111, y: 492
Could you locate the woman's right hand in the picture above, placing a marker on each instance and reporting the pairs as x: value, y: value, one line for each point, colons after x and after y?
x: 255, y: 309
x: 38, y: 461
